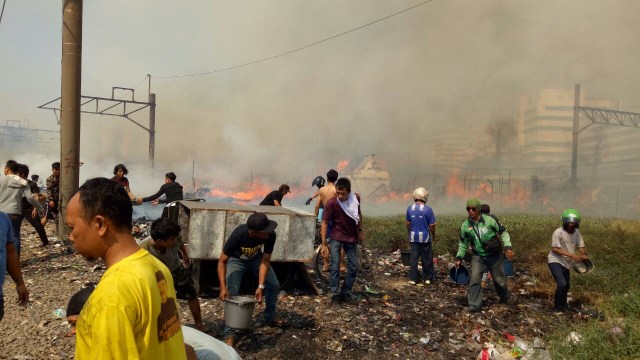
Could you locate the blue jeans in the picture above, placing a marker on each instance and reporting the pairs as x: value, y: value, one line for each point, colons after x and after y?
x: 562, y: 277
x: 16, y: 223
x: 352, y: 266
x: 236, y: 269
x: 424, y: 252
x: 480, y: 264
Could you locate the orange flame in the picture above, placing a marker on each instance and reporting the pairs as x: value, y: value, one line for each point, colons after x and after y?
x: 342, y: 164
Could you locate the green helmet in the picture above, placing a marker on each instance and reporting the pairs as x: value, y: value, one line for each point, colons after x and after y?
x: 571, y: 216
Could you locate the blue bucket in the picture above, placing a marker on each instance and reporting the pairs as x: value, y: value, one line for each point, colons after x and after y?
x: 509, y: 271
x: 460, y: 275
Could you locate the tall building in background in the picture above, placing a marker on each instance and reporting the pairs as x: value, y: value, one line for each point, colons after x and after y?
x: 608, y: 155
x: 546, y: 125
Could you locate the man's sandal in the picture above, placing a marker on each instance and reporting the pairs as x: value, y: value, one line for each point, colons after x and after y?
x: 231, y: 340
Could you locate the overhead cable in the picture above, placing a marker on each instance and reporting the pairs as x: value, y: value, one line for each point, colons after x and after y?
x: 294, y: 50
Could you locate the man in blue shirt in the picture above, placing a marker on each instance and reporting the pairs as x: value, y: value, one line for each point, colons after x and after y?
x: 9, y: 262
x: 421, y: 223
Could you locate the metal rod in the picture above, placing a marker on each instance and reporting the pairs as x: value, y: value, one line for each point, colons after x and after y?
x: 152, y: 129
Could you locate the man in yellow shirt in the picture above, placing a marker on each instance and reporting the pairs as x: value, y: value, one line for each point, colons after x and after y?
x: 132, y: 314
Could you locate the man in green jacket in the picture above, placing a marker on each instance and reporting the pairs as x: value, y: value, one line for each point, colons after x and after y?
x: 478, y: 231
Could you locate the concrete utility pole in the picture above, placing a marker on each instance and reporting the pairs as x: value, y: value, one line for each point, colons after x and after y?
x: 574, y: 146
x: 70, y: 106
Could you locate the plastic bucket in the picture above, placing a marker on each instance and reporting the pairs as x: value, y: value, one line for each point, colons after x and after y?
x: 238, y: 312
x: 583, y: 267
x: 460, y: 275
x: 405, y: 256
x: 509, y: 271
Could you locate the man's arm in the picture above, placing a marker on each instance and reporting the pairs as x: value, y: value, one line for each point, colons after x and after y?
x: 222, y: 275
x: 154, y: 196
x: 32, y: 200
x: 262, y: 276
x: 323, y: 236
x: 185, y: 255
x: 276, y: 203
x: 13, y: 268
x: 316, y: 211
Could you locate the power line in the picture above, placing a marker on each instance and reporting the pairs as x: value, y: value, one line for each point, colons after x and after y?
x: 294, y: 50
x: 2, y: 12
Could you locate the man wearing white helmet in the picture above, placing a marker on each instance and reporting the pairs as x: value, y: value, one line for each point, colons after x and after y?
x: 421, y: 224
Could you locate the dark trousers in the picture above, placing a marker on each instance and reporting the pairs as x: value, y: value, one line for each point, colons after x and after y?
x: 35, y: 222
x: 424, y: 252
x: 562, y: 276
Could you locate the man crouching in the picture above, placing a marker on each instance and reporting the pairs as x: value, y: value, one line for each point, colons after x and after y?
x: 243, y: 252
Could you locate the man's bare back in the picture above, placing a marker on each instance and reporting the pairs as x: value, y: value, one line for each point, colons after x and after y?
x: 324, y: 194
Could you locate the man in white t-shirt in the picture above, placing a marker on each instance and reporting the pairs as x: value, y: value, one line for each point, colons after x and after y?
x: 564, y: 242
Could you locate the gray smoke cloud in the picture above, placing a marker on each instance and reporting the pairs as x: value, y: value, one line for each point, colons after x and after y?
x: 443, y: 68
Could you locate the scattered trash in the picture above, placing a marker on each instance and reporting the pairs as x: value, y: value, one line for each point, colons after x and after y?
x: 334, y: 346
x: 617, y: 331
x: 59, y: 313
x: 488, y: 352
x: 574, y: 338
x: 517, y: 353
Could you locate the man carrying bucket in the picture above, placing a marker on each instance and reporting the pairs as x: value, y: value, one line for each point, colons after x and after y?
x: 481, y: 233
x: 243, y: 252
x: 564, y: 242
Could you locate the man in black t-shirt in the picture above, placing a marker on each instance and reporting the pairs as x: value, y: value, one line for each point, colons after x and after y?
x: 249, y: 248
x: 274, y: 198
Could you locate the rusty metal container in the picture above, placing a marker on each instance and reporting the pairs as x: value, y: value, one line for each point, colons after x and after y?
x: 206, y: 226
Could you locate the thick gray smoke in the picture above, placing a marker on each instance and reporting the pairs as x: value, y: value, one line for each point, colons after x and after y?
x: 446, y: 69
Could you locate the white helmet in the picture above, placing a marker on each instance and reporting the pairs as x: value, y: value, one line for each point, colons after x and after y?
x: 421, y: 194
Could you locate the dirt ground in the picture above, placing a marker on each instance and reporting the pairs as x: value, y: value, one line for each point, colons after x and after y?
x: 388, y: 318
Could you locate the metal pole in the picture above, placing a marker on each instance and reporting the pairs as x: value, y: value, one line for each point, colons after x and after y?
x: 152, y: 129
x: 574, y: 147
x: 70, y: 106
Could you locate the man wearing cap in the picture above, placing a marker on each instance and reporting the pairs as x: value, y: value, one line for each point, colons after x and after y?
x: 274, y: 198
x: 421, y: 224
x: 481, y: 232
x: 249, y: 248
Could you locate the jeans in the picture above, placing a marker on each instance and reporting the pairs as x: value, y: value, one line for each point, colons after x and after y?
x: 351, y: 250
x: 16, y: 221
x: 236, y: 268
x: 424, y: 252
x: 562, y: 276
x: 480, y: 264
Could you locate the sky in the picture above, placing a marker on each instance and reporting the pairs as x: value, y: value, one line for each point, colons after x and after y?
x: 444, y: 67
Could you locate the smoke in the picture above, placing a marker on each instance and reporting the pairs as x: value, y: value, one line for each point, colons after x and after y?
x: 442, y: 70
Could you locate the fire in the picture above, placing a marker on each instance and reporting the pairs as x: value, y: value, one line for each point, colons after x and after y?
x: 250, y: 192
x: 342, y: 164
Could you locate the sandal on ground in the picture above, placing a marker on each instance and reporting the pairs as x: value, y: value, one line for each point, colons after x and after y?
x: 278, y: 322
x: 231, y: 340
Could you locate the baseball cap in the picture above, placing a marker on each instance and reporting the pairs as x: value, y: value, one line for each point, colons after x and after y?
x: 259, y: 222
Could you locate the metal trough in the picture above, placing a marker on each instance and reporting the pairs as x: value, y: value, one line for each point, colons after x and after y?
x: 206, y: 226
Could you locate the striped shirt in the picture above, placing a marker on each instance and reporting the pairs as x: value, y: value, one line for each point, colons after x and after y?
x: 420, y: 216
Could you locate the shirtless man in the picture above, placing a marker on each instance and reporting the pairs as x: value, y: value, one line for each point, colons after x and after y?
x: 324, y: 194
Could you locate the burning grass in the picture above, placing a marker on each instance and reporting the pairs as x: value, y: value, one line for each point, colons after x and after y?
x: 612, y: 287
